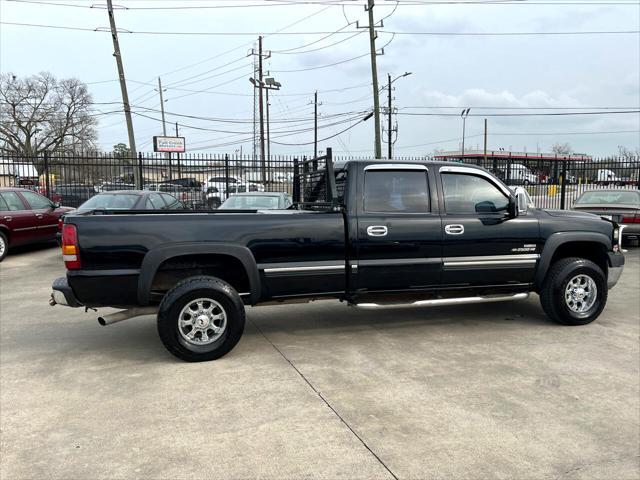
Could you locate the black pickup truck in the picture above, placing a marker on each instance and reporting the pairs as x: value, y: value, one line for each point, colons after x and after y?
x: 381, y: 235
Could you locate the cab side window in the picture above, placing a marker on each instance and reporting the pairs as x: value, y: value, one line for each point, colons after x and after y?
x: 466, y: 194
x: 396, y: 192
x: 13, y: 201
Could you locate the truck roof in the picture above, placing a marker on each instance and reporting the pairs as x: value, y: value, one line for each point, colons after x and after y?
x: 436, y: 163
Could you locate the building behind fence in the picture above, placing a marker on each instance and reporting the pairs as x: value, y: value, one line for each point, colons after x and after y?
x: 553, y: 182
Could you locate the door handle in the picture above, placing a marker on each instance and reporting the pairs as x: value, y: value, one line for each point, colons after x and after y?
x: 377, y: 231
x: 455, y: 229
x: 39, y: 215
x: 8, y: 218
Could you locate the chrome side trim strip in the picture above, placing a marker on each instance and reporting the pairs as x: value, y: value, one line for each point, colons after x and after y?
x: 399, y: 262
x: 491, y: 260
x: 303, y: 269
x: 395, y: 166
x: 447, y: 301
x: 24, y: 229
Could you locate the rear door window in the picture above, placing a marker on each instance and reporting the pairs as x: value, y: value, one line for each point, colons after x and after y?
x: 35, y: 201
x: 396, y: 192
x: 13, y: 201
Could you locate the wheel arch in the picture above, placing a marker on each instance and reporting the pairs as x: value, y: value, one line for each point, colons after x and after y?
x: 157, y: 257
x: 590, y: 245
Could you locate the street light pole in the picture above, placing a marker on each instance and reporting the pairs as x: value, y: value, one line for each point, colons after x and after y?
x: 390, y: 113
x: 464, y: 115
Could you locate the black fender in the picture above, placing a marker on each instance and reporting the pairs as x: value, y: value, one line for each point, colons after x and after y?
x: 555, y: 240
x: 156, y: 256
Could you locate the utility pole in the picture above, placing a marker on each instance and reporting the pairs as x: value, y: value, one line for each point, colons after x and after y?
x: 259, y: 84
x: 315, y: 124
x: 125, y: 94
x: 485, y: 143
x: 389, y: 127
x: 177, y: 154
x: 164, y: 125
x: 263, y: 166
x: 268, y: 128
x: 374, y: 77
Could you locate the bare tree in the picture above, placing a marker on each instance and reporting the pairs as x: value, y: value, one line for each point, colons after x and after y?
x: 40, y: 113
x: 628, y: 154
x: 562, y: 149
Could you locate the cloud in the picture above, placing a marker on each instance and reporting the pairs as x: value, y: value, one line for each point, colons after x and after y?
x: 478, y: 97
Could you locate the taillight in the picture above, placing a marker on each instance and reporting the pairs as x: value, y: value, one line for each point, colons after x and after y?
x: 70, y: 248
x: 630, y: 219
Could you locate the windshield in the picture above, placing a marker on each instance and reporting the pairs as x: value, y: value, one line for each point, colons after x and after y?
x: 248, y: 202
x: 609, y: 197
x: 111, y: 201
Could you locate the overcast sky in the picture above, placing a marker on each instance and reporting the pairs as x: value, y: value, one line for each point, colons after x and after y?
x: 481, y: 72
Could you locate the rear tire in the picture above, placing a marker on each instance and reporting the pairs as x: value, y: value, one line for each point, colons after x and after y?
x: 574, y: 292
x: 4, y: 246
x: 200, y: 319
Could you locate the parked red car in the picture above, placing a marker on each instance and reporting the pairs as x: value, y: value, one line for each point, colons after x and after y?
x: 27, y: 217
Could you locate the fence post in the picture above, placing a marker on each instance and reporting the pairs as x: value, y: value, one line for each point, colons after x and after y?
x: 296, y: 181
x: 226, y: 176
x: 563, y: 185
x: 47, y: 180
x: 508, y: 173
x: 140, y: 178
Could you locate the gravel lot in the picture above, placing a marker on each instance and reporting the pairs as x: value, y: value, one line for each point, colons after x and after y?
x: 319, y: 391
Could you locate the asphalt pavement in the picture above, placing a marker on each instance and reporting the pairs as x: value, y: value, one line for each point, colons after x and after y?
x: 319, y: 390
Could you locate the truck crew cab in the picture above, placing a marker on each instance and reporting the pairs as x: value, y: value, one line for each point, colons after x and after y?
x: 374, y: 234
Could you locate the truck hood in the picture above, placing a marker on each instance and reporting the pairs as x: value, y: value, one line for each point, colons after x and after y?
x: 570, y: 213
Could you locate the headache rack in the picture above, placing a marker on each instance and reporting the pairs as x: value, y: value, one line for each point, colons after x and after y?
x: 315, y: 187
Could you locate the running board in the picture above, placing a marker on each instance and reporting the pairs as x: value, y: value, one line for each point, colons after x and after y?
x: 445, y: 301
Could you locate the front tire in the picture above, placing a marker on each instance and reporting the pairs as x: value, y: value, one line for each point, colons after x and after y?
x: 574, y: 292
x: 4, y: 246
x: 201, y: 319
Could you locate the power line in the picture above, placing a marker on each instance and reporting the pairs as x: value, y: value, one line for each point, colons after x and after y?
x: 608, y: 112
x: 339, y: 3
x: 192, y: 33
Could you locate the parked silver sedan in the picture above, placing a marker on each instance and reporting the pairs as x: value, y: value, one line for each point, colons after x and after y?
x: 257, y: 201
x: 620, y: 205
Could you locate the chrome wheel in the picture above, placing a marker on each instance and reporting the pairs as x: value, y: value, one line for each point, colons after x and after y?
x: 581, y: 293
x: 202, y: 321
x: 3, y: 246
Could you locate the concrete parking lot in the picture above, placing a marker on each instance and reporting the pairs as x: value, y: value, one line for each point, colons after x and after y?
x: 320, y: 391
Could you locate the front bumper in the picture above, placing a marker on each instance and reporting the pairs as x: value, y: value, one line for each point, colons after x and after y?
x: 62, y: 294
x: 616, y: 265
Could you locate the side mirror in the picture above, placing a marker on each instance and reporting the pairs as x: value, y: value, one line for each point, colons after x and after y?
x: 522, y: 202
x: 55, y: 205
x: 513, y: 207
